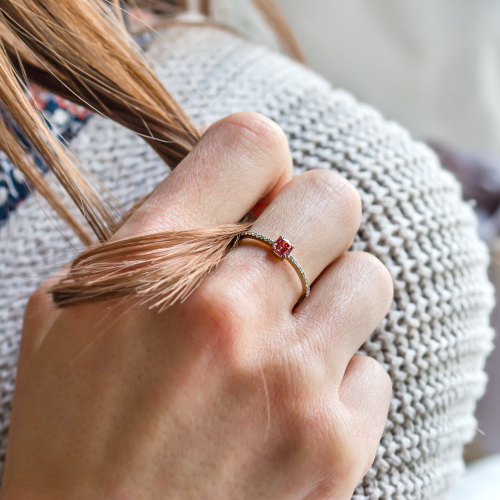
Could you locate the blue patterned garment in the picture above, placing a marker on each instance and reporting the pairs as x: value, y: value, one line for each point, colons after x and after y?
x: 65, y: 119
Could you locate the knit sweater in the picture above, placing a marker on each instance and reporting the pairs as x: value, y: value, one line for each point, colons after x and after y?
x: 433, y: 342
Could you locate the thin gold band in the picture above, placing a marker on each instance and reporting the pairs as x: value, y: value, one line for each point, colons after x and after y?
x: 306, y: 288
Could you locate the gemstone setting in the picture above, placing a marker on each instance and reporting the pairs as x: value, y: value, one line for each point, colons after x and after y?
x: 282, y: 248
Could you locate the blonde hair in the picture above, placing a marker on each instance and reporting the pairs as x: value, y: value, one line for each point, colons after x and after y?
x: 83, y: 52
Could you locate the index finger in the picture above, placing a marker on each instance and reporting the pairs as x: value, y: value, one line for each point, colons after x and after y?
x: 239, y: 160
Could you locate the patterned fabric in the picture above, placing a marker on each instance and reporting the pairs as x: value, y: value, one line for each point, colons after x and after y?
x: 433, y: 342
x: 65, y: 119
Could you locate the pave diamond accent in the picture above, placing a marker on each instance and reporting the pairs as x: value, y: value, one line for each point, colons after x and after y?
x: 282, y: 248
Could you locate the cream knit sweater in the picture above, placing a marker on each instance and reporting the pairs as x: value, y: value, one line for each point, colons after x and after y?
x: 434, y: 340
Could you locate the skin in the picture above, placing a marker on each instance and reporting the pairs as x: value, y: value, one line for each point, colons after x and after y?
x: 233, y: 393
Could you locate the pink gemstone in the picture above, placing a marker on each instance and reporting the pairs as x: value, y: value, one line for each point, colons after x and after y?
x: 282, y: 248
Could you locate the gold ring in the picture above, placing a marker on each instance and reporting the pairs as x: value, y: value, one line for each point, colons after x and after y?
x: 282, y: 249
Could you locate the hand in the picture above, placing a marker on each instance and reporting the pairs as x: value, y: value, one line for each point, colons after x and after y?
x: 229, y: 395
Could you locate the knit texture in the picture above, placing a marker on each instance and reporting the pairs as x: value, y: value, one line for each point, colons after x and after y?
x: 434, y: 340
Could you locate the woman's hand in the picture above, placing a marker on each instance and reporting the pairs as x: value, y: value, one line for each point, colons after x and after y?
x: 229, y: 395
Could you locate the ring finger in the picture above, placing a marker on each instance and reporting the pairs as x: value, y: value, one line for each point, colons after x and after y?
x: 319, y: 212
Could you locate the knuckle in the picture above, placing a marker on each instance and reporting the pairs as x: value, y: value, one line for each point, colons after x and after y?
x: 381, y: 274
x: 374, y: 274
x: 330, y: 188
x: 376, y: 372
x: 256, y: 126
x: 223, y: 313
x: 258, y: 135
